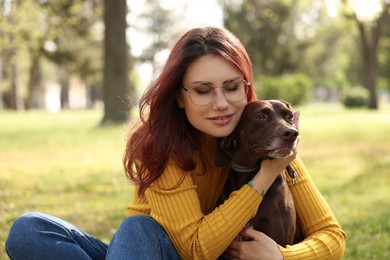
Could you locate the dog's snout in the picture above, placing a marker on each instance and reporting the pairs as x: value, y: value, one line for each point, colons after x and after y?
x: 290, y: 134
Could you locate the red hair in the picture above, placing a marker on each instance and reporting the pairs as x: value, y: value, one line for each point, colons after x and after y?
x: 165, y: 132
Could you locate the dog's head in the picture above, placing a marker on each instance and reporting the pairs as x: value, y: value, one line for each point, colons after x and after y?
x: 266, y: 130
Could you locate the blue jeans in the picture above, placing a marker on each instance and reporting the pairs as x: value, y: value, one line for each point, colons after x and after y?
x: 41, y: 236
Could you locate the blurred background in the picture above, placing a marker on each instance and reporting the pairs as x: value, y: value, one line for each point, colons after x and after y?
x: 72, y: 72
x: 74, y: 54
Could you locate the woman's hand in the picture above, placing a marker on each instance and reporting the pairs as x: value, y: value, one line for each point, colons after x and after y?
x: 261, y: 247
x: 270, y: 169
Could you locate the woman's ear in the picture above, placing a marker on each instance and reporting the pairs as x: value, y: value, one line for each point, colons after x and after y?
x: 179, y: 101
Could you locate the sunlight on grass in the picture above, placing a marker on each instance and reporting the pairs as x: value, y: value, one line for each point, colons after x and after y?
x: 347, y: 153
x: 63, y: 164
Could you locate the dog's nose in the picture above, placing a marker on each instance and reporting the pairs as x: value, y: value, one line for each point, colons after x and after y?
x: 290, y: 134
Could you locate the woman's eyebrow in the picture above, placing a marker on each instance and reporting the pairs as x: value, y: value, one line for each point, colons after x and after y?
x: 201, y: 82
x: 209, y: 83
x: 231, y: 79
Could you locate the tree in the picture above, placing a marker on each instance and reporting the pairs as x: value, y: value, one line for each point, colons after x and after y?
x: 10, y: 49
x: 1, y: 83
x: 384, y: 58
x: 60, y: 31
x: 370, y: 34
x: 266, y: 29
x: 32, y: 32
x: 329, y: 53
x: 115, y: 83
x: 285, y: 36
x: 153, y: 22
x: 70, y: 43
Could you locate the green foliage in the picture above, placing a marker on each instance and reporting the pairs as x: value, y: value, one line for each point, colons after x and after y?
x: 72, y: 30
x: 384, y: 56
x: 311, y: 37
x: 155, y: 20
x: 65, y: 32
x: 355, y: 97
x: 295, y: 88
x: 265, y: 29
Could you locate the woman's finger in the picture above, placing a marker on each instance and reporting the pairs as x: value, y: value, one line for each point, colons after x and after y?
x: 233, y: 250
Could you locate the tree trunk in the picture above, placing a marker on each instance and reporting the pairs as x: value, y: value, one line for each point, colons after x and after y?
x: 370, y: 54
x: 1, y: 85
x: 16, y: 101
x: 115, y: 82
x: 63, y: 77
x: 34, y: 95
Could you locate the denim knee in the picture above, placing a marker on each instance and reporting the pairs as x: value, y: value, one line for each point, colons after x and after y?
x: 138, y: 221
x: 144, y: 226
x: 40, y: 236
x: 22, y: 232
x: 141, y: 237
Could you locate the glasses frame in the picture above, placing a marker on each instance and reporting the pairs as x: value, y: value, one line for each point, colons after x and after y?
x: 246, y: 84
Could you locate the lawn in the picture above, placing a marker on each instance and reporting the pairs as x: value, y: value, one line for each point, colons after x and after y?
x: 63, y: 164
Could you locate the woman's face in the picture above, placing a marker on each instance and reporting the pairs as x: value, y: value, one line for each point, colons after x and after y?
x: 220, y: 116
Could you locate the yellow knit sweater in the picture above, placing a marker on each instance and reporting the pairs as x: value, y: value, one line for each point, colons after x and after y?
x: 184, y: 204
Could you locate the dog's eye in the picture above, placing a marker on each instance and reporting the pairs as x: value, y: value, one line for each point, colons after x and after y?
x: 261, y: 116
x: 289, y: 117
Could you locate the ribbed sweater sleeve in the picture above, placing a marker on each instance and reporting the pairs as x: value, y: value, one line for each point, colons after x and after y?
x: 324, y: 237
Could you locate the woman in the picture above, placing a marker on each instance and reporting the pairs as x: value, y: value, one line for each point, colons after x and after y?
x: 198, y: 97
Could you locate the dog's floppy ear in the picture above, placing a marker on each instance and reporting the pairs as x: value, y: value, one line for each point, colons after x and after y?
x: 224, y: 151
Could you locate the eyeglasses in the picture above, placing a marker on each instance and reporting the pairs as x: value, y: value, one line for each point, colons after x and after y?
x: 203, y: 93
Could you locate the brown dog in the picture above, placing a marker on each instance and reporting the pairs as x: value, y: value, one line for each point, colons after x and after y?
x: 265, y: 131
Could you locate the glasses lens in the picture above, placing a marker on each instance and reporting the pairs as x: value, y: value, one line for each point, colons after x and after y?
x: 201, y: 94
x: 235, y: 90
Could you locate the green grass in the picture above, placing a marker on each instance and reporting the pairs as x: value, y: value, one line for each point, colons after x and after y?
x: 64, y: 165
x: 348, y: 155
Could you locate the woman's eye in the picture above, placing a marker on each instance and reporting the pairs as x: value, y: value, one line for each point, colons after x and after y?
x: 202, y: 89
x: 231, y: 87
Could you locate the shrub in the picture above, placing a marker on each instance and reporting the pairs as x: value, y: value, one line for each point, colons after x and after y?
x: 355, y: 97
x: 294, y: 88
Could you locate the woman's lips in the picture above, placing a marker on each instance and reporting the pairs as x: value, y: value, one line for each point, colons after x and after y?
x: 221, y: 120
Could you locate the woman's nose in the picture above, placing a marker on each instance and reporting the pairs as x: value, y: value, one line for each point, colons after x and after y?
x: 220, y: 101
